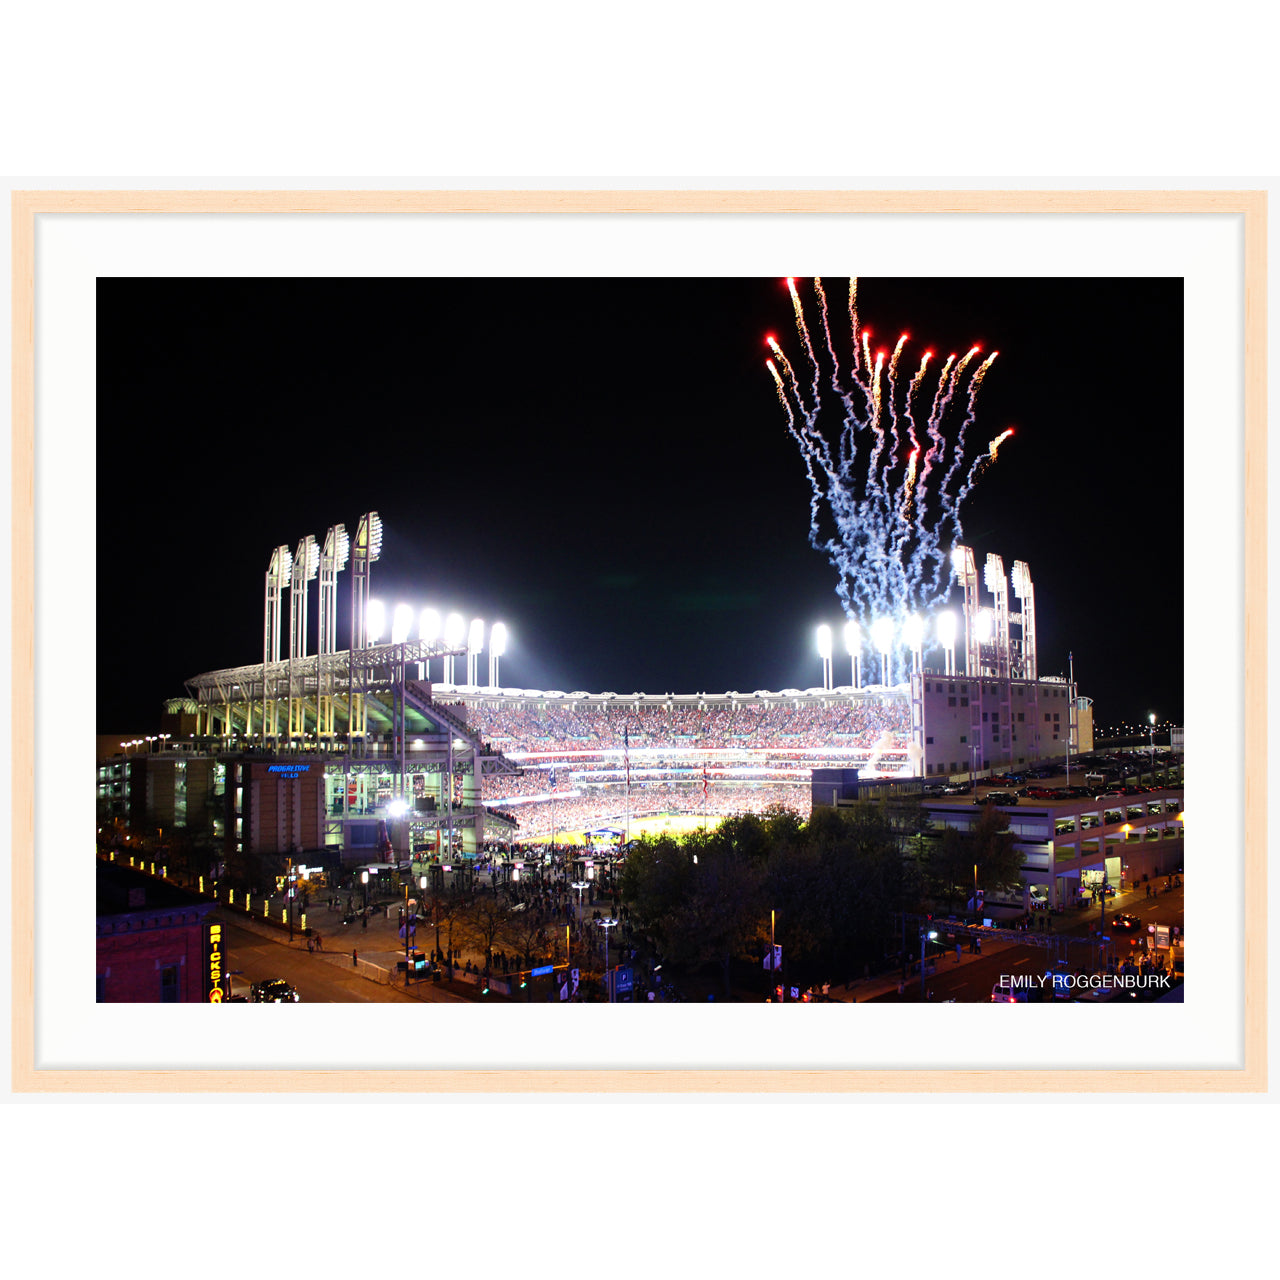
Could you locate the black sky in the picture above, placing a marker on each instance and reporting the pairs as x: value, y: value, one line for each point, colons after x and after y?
x: 603, y: 465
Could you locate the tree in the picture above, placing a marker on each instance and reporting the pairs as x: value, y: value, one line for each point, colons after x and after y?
x: 483, y: 921
x: 447, y: 909
x: 720, y: 917
x: 524, y: 929
x: 985, y: 852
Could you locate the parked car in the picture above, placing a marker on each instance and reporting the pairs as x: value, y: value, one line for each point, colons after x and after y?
x: 272, y: 991
x: 996, y: 797
x: 1127, y: 923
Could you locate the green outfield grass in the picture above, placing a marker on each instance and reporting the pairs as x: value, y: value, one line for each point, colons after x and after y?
x: 664, y: 824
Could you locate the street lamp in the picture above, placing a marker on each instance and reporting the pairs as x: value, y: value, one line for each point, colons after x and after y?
x: 925, y: 937
x: 606, y: 925
x: 580, y: 885
x: 824, y: 652
x: 1151, y: 718
x: 364, y: 880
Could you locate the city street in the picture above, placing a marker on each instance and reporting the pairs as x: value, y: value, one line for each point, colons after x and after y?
x: 972, y: 979
x: 316, y: 978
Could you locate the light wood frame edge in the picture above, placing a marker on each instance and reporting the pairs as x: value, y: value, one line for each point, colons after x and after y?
x: 26, y: 206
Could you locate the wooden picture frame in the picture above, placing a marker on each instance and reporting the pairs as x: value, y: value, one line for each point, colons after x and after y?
x: 28, y: 1076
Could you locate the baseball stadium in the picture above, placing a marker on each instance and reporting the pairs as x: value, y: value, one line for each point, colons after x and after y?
x: 380, y: 748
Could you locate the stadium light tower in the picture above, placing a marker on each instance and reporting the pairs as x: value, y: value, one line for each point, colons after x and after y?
x: 913, y: 635
x: 429, y: 633
x: 824, y: 652
x: 1027, y: 664
x: 375, y: 622
x: 946, y: 625
x: 366, y: 547
x: 337, y: 550
x: 497, y: 647
x: 279, y: 572
x: 454, y: 631
x: 475, y: 642
x: 853, y: 645
x: 306, y: 563
x: 966, y: 573
x: 333, y: 559
x: 882, y: 638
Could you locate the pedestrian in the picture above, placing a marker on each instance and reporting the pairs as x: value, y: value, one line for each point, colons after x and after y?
x: 354, y: 957
x: 364, y: 920
x: 311, y: 945
x: 319, y: 942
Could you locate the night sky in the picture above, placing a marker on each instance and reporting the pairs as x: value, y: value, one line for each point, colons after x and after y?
x: 603, y: 465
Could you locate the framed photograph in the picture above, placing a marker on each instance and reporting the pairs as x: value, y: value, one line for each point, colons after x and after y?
x: 693, y: 486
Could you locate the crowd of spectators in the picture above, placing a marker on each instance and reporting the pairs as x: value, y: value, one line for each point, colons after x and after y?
x: 587, y: 811
x: 846, y: 722
x: 591, y: 791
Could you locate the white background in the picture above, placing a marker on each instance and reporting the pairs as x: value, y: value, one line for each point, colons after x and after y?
x: 669, y: 95
x: 73, y: 252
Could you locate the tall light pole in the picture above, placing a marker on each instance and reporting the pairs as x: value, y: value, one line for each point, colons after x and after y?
x: 1152, y: 720
x: 454, y: 632
x: 882, y: 638
x: 946, y: 625
x: 475, y: 642
x: 853, y: 646
x: 497, y: 647
x: 930, y: 936
x: 606, y: 925
x: 824, y: 652
x: 429, y: 633
x: 913, y: 634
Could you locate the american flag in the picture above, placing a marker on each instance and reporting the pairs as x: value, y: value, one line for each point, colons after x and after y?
x: 626, y: 756
x: 553, y: 777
